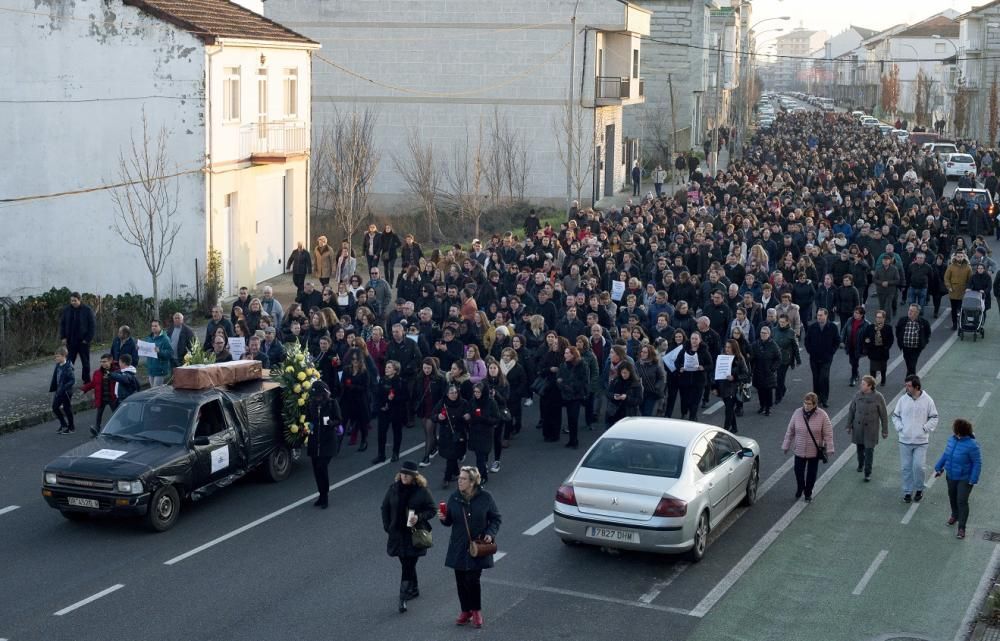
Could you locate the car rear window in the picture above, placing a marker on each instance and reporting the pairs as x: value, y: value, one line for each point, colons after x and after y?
x: 630, y: 456
x: 960, y: 158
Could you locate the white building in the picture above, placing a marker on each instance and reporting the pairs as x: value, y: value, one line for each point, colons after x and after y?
x: 677, y: 77
x: 844, y: 52
x: 444, y: 67
x: 791, y: 71
x: 231, y: 88
x: 978, y: 68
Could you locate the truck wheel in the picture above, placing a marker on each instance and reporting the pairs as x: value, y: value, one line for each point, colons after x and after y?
x: 164, y: 506
x: 74, y: 516
x: 279, y: 464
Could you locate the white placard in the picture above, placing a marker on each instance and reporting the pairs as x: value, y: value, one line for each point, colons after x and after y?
x: 691, y: 363
x: 617, y: 289
x: 670, y: 358
x: 147, y: 349
x: 723, y: 366
x: 220, y: 458
x: 110, y: 455
x: 237, y: 347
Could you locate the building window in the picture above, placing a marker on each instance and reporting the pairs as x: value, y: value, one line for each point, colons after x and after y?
x: 635, y: 63
x: 938, y: 47
x: 262, y: 95
x: 231, y: 94
x: 291, y: 93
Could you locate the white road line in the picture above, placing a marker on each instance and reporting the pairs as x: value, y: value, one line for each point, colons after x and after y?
x: 5, y: 510
x: 998, y: 376
x: 541, y: 525
x: 499, y: 555
x: 279, y: 512
x: 913, y: 508
x: 715, y: 408
x: 660, y: 586
x: 89, y: 599
x: 964, y: 632
x: 584, y: 595
x: 869, y: 573
x: 982, y: 401
x: 754, y: 553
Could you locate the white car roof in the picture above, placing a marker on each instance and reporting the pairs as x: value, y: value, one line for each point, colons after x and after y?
x: 659, y: 430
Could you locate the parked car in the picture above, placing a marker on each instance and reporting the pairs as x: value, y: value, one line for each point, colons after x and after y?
x: 858, y: 114
x: 956, y: 165
x: 869, y: 121
x: 920, y: 138
x: 884, y: 129
x: 165, y: 445
x: 901, y: 135
x: 657, y: 485
x: 939, y: 148
x: 977, y: 195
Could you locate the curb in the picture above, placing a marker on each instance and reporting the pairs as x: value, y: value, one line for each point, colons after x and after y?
x: 42, y: 416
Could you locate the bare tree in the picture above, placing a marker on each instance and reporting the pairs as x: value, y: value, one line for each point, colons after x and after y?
x: 422, y: 173
x: 961, y: 108
x: 465, y: 178
x: 146, y: 203
x: 993, y: 117
x: 922, y: 109
x: 890, y: 91
x: 507, y: 164
x: 344, y: 163
x: 573, y: 133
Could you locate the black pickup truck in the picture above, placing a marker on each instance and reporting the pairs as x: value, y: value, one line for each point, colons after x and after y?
x: 165, y: 445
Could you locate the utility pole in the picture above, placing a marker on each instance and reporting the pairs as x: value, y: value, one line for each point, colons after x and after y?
x: 570, y: 128
x: 673, y: 115
x: 718, y: 104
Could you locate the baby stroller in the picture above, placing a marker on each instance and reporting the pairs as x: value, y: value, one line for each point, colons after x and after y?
x: 973, y: 315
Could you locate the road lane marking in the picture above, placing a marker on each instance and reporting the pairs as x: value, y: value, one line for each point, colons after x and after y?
x: 584, y: 595
x: 982, y: 401
x: 718, y: 405
x: 755, y: 552
x: 9, y: 508
x: 89, y: 599
x: 660, y: 586
x: 965, y: 628
x: 498, y: 556
x: 913, y: 507
x: 869, y: 573
x: 541, y: 525
x: 279, y: 512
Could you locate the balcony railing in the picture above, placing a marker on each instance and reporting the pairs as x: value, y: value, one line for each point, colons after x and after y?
x: 614, y: 88
x: 273, y: 139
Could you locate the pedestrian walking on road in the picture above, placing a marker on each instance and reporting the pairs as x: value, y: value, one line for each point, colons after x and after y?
x: 865, y: 419
x: 914, y: 418
x: 693, y: 362
x: 472, y: 515
x: 407, y: 510
x: 810, y: 437
x: 851, y: 337
x: 822, y: 342
x: 326, y: 430
x: 913, y: 332
x: 103, y: 388
x: 956, y: 279
x: 300, y: 264
x: 452, y: 418
x: 391, y: 399
x: 876, y: 341
x: 427, y: 393
x: 484, y: 416
x: 76, y: 330
x: 159, y: 367
x: 765, y: 361
x: 729, y: 388
x: 636, y: 178
x: 659, y: 176
x: 62, y: 392
x: 962, y: 461
x: 573, y: 380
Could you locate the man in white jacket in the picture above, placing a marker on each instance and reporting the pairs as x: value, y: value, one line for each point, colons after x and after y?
x: 914, y: 418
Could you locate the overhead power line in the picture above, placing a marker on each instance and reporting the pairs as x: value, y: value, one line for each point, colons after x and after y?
x: 88, y: 190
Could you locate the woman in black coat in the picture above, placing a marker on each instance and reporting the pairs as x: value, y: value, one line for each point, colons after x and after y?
x: 573, y: 380
x: 407, y: 506
x: 428, y: 390
x: 624, y: 394
x: 499, y: 390
x: 673, y: 376
x: 484, y: 416
x: 326, y: 430
x: 355, y: 386
x: 693, y: 379
x: 451, y: 416
x: 766, y: 360
x: 391, y: 401
x: 517, y: 379
x: 551, y: 401
x: 473, y: 508
x: 728, y: 388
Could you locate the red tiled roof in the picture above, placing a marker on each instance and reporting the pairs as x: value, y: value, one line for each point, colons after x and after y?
x: 212, y: 19
x: 937, y: 26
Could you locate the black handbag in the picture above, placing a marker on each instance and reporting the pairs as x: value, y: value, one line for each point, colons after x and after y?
x: 420, y: 538
x: 820, y: 450
x: 540, y: 385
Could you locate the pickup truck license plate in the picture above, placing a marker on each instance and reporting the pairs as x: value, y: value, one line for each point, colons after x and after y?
x: 78, y: 502
x: 609, y: 534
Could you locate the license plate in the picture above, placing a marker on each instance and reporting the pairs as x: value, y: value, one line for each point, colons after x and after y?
x: 78, y: 502
x: 610, y: 534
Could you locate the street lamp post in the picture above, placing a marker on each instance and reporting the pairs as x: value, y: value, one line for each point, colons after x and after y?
x: 945, y: 85
x: 569, y: 111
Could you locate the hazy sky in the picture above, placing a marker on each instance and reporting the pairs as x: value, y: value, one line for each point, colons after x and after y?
x: 834, y: 16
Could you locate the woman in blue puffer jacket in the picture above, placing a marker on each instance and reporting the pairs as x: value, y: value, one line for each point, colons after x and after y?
x: 961, y: 461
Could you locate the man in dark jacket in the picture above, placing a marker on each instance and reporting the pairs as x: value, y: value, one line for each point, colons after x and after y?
x: 718, y: 313
x: 919, y: 273
x: 570, y: 326
x: 310, y: 297
x: 300, y: 264
x: 215, y: 323
x: 822, y: 342
x: 62, y: 391
x: 76, y: 330
x: 913, y: 332
x: 181, y: 337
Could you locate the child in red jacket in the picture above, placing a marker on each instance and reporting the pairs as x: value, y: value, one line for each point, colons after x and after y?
x: 104, y: 391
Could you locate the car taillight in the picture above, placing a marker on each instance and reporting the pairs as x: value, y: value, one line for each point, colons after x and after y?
x: 671, y: 507
x: 566, y: 495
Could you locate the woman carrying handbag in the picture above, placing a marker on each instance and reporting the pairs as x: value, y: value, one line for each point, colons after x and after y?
x: 810, y: 436
x: 474, y: 519
x: 407, y: 510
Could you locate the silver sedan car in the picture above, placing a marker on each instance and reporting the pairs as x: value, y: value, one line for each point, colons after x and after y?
x: 657, y: 485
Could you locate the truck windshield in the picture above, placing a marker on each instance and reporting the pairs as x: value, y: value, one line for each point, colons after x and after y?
x: 163, y: 422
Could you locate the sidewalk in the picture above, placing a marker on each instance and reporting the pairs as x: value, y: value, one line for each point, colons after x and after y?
x: 618, y: 200
x: 24, y: 391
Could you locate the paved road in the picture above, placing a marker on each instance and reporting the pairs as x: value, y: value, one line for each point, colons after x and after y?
x: 284, y: 571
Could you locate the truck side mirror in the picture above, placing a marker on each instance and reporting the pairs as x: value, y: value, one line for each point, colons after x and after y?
x: 200, y: 441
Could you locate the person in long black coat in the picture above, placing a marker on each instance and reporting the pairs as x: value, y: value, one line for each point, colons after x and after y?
x: 452, y: 418
x: 692, y: 381
x: 729, y: 388
x: 473, y: 508
x: 550, y: 400
x: 484, y: 415
x: 766, y: 360
x: 407, y: 506
x: 624, y: 394
x: 326, y: 429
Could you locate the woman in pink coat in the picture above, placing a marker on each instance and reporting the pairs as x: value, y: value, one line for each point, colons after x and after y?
x: 810, y: 437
